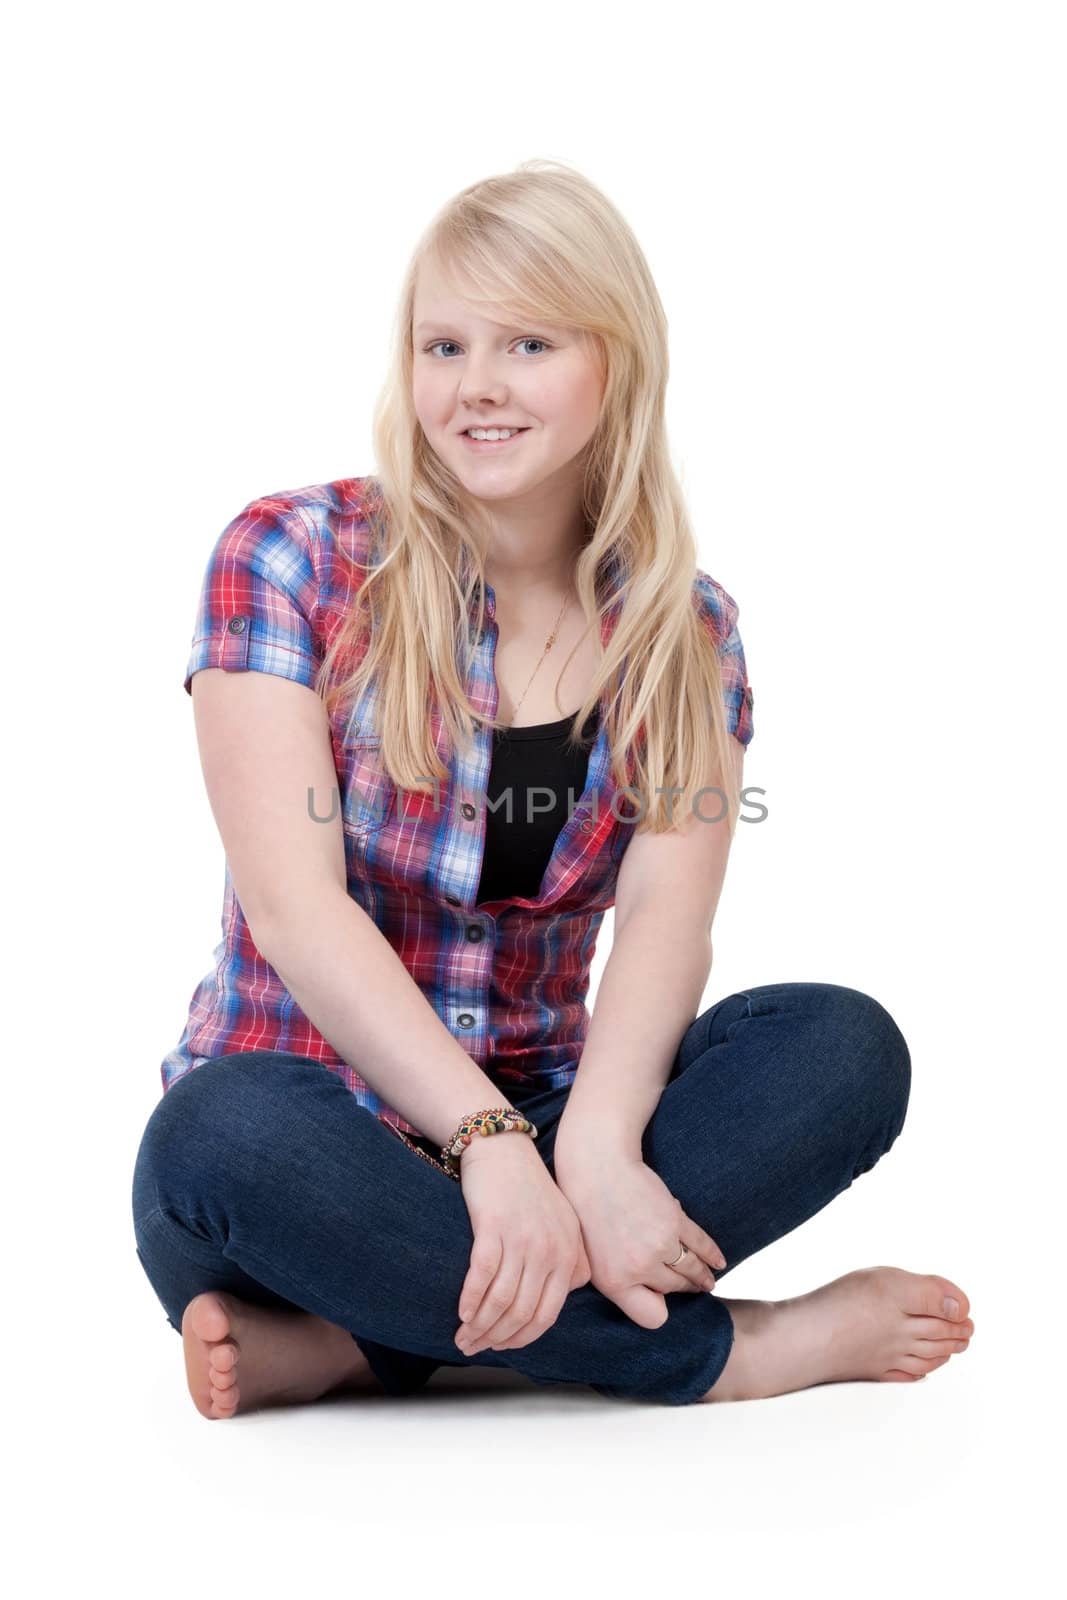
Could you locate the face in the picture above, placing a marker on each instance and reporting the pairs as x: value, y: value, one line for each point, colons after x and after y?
x: 470, y: 371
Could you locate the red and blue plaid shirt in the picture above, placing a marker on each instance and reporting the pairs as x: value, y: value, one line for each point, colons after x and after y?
x: 508, y: 978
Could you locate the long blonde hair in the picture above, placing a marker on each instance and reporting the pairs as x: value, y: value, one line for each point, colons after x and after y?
x: 542, y: 242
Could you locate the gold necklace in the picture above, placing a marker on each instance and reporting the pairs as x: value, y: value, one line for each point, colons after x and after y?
x: 548, y: 645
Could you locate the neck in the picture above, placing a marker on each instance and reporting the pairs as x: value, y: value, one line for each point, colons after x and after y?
x: 533, y: 554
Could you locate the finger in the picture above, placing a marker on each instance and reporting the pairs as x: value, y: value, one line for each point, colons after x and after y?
x: 696, y: 1279
x: 691, y: 1268
x: 647, y: 1307
x: 694, y: 1236
x: 519, y: 1313
x: 553, y: 1299
x: 496, y: 1300
x: 542, y: 1316
x: 689, y: 1274
x: 484, y: 1265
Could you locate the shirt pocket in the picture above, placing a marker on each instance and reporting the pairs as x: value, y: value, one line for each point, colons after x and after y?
x: 369, y: 797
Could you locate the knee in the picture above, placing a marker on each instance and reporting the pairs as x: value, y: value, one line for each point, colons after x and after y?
x: 214, y: 1113
x: 869, y: 1049
x: 174, y: 1134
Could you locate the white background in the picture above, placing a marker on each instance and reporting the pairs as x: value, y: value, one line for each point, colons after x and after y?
x: 854, y: 213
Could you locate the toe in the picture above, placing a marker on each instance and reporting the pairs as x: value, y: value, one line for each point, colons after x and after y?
x: 943, y: 1298
x: 223, y: 1380
x: 224, y: 1400
x: 224, y: 1357
x: 920, y: 1327
x: 939, y: 1347
x: 208, y: 1317
x: 920, y: 1365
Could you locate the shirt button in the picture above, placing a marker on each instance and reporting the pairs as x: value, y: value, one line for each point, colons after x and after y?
x: 237, y: 624
x: 474, y: 933
x: 465, y: 1019
x: 587, y: 825
x: 468, y: 810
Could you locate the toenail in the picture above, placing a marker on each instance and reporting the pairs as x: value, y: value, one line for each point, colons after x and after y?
x: 952, y: 1307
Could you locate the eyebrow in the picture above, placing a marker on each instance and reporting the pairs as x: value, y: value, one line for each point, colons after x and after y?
x: 443, y: 322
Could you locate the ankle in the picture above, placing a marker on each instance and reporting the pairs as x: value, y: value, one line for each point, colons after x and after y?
x: 752, y: 1322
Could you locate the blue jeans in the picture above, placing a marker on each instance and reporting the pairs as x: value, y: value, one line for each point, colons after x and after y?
x: 260, y: 1174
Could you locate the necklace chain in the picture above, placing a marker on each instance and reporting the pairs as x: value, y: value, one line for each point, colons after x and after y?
x: 548, y: 645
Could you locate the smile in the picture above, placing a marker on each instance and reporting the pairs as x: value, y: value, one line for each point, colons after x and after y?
x: 492, y: 444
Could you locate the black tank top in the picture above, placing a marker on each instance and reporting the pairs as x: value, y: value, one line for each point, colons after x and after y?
x: 518, y: 851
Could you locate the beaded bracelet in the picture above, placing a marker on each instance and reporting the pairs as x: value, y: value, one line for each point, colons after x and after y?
x: 498, y: 1119
x: 501, y: 1119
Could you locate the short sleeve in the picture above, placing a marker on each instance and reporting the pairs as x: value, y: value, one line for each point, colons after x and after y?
x: 258, y: 598
x: 720, y: 611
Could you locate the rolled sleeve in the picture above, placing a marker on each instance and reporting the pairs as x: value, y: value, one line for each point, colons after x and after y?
x: 258, y: 599
x: 721, y: 613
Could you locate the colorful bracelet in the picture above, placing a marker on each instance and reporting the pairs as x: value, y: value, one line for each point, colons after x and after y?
x: 499, y: 1119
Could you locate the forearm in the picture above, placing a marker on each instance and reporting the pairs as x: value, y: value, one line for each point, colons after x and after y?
x: 649, y: 993
x: 349, y: 981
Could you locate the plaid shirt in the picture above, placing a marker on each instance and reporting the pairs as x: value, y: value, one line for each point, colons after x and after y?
x: 508, y: 978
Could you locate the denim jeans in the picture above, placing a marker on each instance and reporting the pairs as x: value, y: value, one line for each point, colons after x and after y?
x: 260, y: 1174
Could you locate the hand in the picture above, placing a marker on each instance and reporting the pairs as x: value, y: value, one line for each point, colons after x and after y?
x: 528, y: 1253
x: 631, y: 1225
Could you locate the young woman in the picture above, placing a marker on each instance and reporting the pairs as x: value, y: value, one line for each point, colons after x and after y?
x: 449, y: 715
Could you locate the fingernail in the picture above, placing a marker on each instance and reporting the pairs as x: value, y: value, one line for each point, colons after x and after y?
x: 952, y: 1307
x: 721, y: 1262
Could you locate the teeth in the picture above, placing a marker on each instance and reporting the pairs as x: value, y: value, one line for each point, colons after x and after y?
x: 492, y: 433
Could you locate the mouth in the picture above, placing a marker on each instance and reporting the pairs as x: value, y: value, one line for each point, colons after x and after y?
x: 479, y: 445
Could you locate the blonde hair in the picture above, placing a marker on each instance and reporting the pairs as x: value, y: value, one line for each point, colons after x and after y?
x: 542, y: 242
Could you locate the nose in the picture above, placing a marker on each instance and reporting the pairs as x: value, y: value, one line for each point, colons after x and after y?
x: 480, y: 382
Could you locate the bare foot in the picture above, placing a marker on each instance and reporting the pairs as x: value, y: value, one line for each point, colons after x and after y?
x: 283, y: 1357
x: 879, y: 1324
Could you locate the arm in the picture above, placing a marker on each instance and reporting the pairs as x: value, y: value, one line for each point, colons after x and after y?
x: 648, y: 996
x: 381, y: 1023
x: 264, y: 741
x: 666, y: 898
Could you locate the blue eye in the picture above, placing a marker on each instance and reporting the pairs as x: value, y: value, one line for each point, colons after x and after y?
x: 530, y: 339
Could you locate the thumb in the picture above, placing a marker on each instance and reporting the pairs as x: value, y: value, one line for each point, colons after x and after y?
x: 642, y: 1305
